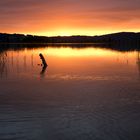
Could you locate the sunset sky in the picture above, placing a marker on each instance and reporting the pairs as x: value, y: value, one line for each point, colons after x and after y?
x: 69, y: 17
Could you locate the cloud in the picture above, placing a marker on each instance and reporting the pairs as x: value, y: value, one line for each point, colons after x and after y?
x: 34, y: 15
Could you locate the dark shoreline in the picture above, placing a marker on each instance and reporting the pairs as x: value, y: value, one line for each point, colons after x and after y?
x: 124, y: 47
x: 123, y: 41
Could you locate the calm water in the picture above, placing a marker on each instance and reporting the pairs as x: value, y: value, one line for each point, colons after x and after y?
x: 84, y: 94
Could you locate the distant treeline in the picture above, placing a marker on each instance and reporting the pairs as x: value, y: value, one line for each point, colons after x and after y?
x: 109, y: 38
x: 124, y: 41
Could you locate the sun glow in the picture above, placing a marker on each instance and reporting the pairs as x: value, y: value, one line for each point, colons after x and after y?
x: 73, y: 31
x: 69, y: 17
x: 70, y: 32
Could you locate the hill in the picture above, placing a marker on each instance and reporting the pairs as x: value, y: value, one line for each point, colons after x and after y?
x: 109, y: 38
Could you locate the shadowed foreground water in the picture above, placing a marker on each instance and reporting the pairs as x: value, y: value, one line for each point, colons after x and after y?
x: 87, y: 93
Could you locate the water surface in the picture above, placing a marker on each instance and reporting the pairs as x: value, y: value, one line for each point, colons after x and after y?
x: 85, y: 93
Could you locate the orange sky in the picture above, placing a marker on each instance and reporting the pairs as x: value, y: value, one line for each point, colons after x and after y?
x: 69, y: 17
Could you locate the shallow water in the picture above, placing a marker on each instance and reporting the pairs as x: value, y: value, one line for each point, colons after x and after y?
x: 85, y: 93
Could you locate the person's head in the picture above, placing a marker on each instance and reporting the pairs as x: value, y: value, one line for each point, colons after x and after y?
x: 40, y: 54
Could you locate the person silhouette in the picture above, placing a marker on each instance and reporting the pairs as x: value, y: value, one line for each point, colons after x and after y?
x: 43, y: 60
x: 44, y: 65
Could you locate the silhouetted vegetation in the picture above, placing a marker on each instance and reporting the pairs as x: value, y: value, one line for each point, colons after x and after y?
x: 119, y: 41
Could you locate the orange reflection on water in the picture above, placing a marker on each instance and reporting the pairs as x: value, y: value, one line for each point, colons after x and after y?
x: 64, y: 62
x: 74, y: 52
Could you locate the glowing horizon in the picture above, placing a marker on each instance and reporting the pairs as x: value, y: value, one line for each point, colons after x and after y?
x: 68, y: 17
x: 66, y: 33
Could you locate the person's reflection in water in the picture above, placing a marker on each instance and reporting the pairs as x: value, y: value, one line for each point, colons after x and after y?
x: 42, y: 73
x: 44, y: 65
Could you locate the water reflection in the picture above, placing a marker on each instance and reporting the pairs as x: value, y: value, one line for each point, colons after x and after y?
x: 32, y: 58
x: 69, y: 61
x: 88, y: 93
x: 3, y: 64
x: 138, y: 61
x: 43, y: 71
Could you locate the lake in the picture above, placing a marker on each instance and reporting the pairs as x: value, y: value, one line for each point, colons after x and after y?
x: 89, y: 93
